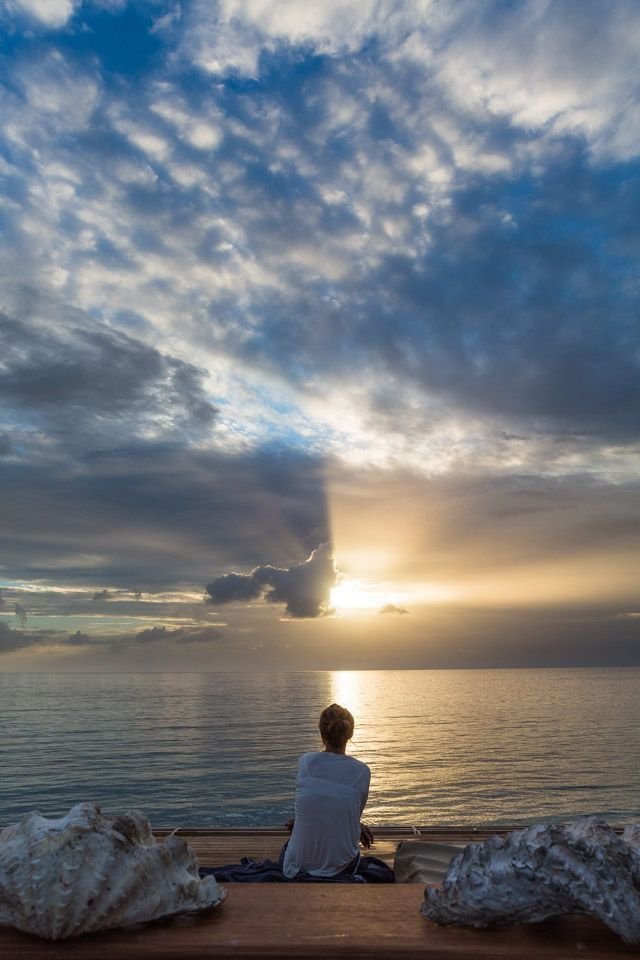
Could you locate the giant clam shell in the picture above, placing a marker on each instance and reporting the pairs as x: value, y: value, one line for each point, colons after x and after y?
x: 87, y: 871
x: 544, y: 871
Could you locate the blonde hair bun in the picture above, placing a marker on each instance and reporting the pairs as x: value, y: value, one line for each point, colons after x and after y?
x: 336, y: 725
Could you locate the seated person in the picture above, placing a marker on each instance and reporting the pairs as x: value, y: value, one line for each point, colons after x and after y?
x: 331, y: 793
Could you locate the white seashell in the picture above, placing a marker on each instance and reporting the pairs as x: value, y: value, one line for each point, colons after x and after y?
x: 544, y: 871
x: 87, y: 871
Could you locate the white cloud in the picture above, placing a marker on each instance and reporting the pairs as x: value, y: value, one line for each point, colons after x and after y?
x: 60, y: 98
x: 150, y: 143
x: 231, y: 36
x: 331, y: 26
x: 50, y: 13
x: 201, y: 131
x: 571, y: 67
x: 167, y: 21
x: 568, y: 66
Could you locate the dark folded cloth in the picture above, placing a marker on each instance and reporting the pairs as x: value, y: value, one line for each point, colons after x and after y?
x: 374, y: 870
x: 247, y: 871
x: 368, y: 870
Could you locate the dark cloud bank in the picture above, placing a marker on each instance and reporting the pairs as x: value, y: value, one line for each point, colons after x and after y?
x: 450, y: 638
x: 85, y: 384
x: 12, y: 640
x: 152, y: 516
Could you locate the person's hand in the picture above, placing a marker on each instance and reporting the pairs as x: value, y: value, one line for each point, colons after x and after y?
x: 289, y: 824
x: 366, y: 836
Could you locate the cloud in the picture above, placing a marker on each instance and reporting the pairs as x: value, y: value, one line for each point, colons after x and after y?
x: 21, y: 613
x: 392, y: 608
x: 230, y: 37
x: 550, y: 66
x: 488, y: 539
x: 156, y: 516
x: 86, y: 384
x: 15, y: 640
x: 482, y: 637
x: 304, y: 588
x: 557, y: 67
x: 235, y: 588
x: 49, y: 13
x: 112, y: 644
x: 501, y: 323
x: 181, y: 636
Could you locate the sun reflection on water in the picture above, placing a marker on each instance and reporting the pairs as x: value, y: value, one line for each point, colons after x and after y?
x: 354, y: 690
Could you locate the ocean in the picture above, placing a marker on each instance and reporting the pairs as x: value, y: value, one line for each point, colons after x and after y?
x: 458, y: 747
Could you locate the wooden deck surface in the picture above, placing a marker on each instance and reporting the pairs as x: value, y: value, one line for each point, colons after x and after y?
x: 308, y: 922
x: 215, y: 847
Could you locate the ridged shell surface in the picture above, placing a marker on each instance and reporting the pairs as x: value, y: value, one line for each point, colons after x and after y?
x: 87, y: 871
x: 544, y: 871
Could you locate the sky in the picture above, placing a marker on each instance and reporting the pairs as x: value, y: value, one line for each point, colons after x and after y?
x: 319, y: 340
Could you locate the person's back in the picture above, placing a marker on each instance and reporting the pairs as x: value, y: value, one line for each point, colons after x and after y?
x: 331, y: 792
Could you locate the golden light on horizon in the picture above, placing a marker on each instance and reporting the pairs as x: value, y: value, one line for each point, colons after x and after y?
x: 354, y: 595
x: 401, y: 542
x: 375, y: 543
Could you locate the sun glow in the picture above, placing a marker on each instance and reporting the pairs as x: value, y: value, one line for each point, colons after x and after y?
x: 376, y: 538
x: 349, y: 688
x: 352, y: 596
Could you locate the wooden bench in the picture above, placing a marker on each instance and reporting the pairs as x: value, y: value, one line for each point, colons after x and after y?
x: 318, y: 921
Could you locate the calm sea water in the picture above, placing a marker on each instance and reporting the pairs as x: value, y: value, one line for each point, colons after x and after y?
x: 458, y: 746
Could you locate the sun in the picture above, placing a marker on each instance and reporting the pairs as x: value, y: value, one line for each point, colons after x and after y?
x: 351, y: 595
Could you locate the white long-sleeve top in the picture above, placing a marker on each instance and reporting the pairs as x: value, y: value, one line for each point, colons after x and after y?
x: 331, y: 792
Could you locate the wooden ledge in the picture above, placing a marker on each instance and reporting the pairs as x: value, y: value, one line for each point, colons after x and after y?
x: 313, y: 921
x: 217, y: 846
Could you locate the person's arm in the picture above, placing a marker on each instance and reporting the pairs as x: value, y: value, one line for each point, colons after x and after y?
x: 366, y: 836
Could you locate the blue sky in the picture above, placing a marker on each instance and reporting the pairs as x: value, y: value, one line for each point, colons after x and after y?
x: 277, y: 275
